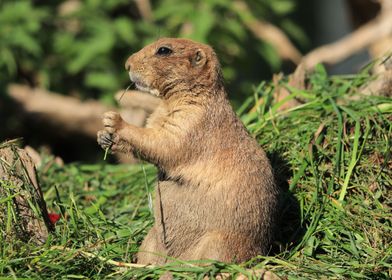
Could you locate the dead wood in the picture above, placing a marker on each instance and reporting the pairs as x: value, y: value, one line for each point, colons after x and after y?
x: 144, y: 8
x: 65, y: 11
x: 373, y: 31
x: 382, y: 84
x: 295, y: 80
x: 376, y: 35
x: 23, y: 212
x: 268, y: 32
x: 70, y: 113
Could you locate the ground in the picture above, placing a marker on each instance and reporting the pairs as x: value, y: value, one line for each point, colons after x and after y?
x: 331, y: 156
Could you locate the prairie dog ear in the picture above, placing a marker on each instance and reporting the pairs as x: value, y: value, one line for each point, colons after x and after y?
x: 198, y: 58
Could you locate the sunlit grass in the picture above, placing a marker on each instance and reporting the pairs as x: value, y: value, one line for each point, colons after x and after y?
x: 331, y: 155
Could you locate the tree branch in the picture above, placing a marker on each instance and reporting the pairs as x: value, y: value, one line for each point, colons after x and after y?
x: 144, y: 8
x: 363, y: 37
x: 268, y: 32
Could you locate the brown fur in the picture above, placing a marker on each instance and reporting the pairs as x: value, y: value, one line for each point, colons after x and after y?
x: 216, y: 197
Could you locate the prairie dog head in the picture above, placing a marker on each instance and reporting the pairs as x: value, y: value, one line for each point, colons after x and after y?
x: 170, y: 66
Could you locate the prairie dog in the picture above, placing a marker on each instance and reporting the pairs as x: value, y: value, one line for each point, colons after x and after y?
x: 216, y: 196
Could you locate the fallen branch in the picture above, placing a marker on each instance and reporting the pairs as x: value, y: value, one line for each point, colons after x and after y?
x: 69, y: 113
x: 23, y: 212
x: 382, y: 85
x: 374, y: 31
x: 363, y: 37
x: 296, y: 80
x: 103, y: 259
x: 144, y: 8
x: 72, y: 114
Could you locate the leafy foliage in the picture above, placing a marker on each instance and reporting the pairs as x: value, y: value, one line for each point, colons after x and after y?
x: 20, y: 24
x: 80, y: 46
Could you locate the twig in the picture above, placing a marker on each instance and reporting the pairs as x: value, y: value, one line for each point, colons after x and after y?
x: 103, y: 259
x: 268, y: 32
x: 115, y: 263
x: 69, y: 113
x: 144, y: 8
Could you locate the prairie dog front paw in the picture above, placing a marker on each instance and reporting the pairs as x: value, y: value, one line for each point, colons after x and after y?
x: 112, y: 122
x: 113, y: 142
x: 110, y: 137
x: 105, y: 139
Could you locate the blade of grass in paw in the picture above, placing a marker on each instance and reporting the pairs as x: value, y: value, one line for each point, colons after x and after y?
x: 106, y: 153
x: 107, y: 149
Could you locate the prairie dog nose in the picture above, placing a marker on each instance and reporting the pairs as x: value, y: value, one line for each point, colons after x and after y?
x: 128, y: 64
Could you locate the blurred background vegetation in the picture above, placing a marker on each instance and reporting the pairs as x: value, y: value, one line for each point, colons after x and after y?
x: 79, y: 47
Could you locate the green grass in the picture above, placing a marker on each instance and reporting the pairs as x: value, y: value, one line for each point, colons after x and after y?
x: 331, y: 155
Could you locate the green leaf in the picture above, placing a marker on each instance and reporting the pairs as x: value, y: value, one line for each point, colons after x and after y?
x: 282, y: 7
x: 26, y: 42
x: 234, y: 27
x: 202, y: 24
x: 268, y: 52
x: 294, y: 31
x: 8, y: 60
x: 125, y: 30
x: 85, y: 52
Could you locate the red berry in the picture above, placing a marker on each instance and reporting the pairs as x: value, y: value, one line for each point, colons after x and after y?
x: 53, y: 217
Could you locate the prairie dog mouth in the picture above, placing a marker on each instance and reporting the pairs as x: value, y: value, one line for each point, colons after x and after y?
x: 142, y: 86
x: 138, y: 82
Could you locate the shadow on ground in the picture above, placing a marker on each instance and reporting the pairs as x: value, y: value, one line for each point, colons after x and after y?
x: 290, y: 229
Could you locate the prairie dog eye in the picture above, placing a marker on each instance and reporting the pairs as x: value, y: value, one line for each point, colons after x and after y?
x: 164, y: 51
